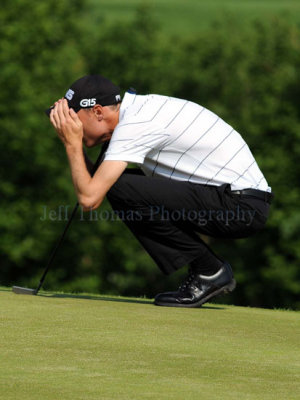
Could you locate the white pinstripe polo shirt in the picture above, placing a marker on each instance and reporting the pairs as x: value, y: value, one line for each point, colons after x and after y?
x: 179, y: 139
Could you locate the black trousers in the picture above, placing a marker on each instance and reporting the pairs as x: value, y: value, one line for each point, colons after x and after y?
x: 166, y: 216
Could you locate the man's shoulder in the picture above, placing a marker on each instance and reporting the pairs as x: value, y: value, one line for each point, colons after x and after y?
x: 150, y: 107
x: 133, y: 101
x: 140, y: 109
x: 155, y: 113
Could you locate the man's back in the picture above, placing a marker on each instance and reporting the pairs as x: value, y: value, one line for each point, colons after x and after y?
x: 182, y: 140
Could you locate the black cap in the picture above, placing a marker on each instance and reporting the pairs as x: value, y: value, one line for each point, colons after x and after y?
x: 90, y: 90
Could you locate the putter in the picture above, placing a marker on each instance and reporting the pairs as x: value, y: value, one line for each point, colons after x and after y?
x: 22, y: 290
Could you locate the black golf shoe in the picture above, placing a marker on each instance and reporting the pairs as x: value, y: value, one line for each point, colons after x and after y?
x: 197, y: 289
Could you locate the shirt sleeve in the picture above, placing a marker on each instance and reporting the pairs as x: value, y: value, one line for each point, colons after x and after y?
x: 132, y: 142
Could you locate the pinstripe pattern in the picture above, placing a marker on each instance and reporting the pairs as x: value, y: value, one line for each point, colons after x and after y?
x: 144, y: 122
x: 210, y: 153
x: 173, y: 119
x: 243, y: 173
x: 185, y: 130
x: 123, y: 112
x: 181, y: 140
x: 143, y: 105
x: 235, y: 154
x: 259, y: 182
x: 194, y: 144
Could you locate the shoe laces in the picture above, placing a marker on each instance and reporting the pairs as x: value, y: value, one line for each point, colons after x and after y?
x: 189, y: 279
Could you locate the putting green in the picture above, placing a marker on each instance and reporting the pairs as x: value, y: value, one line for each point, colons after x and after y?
x: 69, y: 347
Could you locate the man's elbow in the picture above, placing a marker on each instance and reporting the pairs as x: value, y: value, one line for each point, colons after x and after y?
x: 89, y: 203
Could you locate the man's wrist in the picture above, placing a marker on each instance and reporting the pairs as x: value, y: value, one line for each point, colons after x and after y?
x: 73, y: 147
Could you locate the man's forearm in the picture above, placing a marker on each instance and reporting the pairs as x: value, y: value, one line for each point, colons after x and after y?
x: 91, y: 191
x: 89, y: 164
x: 80, y: 175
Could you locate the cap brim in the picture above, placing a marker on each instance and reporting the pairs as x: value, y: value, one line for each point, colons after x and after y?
x: 48, y: 111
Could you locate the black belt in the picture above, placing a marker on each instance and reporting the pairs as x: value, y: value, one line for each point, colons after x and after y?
x: 266, y: 196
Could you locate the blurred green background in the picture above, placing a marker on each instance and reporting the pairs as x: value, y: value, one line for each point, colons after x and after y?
x: 241, y: 59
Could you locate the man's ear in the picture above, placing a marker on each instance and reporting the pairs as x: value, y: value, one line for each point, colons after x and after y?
x: 98, y: 111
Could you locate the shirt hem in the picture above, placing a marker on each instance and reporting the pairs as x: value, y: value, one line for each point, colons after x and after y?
x: 138, y: 160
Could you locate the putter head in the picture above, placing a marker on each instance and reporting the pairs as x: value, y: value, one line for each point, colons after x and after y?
x: 21, y: 290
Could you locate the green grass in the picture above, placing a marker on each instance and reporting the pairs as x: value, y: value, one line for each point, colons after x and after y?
x: 56, y: 346
x: 189, y: 16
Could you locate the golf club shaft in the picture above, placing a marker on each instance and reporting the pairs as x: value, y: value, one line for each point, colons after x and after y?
x: 54, y: 251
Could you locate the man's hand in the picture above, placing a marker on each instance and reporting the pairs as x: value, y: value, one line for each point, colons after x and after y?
x: 66, y: 123
x: 90, y: 191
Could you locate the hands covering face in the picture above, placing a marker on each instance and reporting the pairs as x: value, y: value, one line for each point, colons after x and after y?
x: 66, y: 123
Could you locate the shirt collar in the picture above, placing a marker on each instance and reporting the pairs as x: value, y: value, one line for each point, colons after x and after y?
x: 128, y: 99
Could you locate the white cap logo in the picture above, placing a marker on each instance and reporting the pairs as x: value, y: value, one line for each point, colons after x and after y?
x: 118, y: 97
x: 88, y: 102
x: 69, y: 95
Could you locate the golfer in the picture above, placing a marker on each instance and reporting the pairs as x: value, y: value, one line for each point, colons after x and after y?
x: 195, y: 174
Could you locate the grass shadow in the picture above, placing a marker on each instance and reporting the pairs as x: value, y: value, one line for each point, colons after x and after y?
x: 91, y: 297
x: 115, y: 299
x: 104, y: 298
